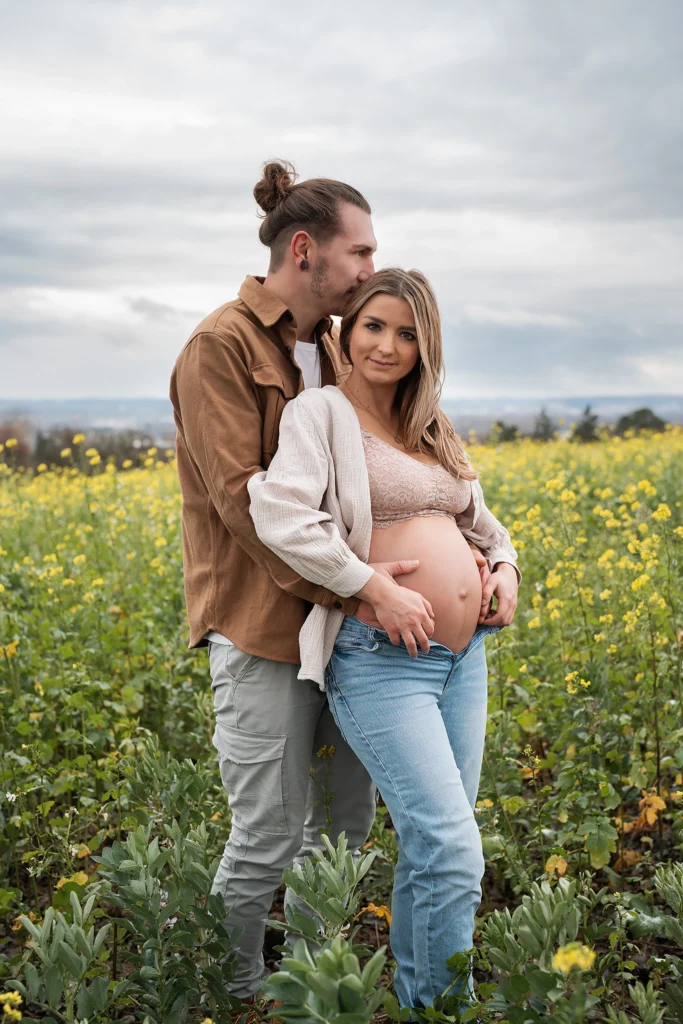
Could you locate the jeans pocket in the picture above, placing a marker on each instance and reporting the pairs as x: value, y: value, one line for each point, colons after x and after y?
x: 252, y: 770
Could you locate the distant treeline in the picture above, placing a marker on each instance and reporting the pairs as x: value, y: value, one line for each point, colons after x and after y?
x: 130, y: 448
x: 587, y: 428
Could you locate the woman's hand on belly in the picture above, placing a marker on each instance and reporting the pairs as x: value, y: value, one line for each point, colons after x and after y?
x: 503, y: 584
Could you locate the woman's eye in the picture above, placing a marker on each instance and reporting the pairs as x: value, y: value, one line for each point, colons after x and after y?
x: 372, y: 327
x: 408, y: 336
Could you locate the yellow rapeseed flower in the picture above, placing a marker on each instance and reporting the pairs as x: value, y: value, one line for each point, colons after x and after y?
x: 11, y: 442
x: 79, y: 559
x: 65, y: 452
x: 662, y: 511
x: 535, y: 623
x: 78, y: 438
x: 126, y: 464
x: 573, y: 955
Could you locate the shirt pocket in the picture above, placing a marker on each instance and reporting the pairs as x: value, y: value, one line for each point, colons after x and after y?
x: 252, y: 771
x: 275, y: 390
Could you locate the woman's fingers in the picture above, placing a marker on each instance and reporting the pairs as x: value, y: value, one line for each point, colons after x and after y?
x: 422, y: 639
x: 409, y: 641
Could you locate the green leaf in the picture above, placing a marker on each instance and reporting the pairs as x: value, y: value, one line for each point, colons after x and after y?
x: 540, y: 982
x: 601, y: 840
x: 53, y: 987
x: 391, y: 1007
x: 513, y: 804
x: 70, y: 960
x: 515, y: 988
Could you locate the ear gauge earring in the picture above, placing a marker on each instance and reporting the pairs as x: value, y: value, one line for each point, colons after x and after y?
x: 303, y: 265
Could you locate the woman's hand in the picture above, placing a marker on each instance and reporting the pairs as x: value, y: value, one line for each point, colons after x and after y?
x: 482, y: 564
x: 398, y: 610
x: 503, y: 584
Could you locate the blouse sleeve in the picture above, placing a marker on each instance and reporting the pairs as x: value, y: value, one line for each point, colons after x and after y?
x: 480, y: 526
x: 285, y: 507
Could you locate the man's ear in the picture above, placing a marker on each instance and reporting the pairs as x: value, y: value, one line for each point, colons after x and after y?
x: 301, y: 247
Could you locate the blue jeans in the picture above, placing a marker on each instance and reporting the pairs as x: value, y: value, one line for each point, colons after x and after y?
x: 418, y: 726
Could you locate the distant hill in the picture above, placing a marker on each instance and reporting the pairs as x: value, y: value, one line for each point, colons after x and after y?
x: 155, y: 415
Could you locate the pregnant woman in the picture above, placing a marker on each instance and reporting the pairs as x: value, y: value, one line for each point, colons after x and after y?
x: 372, y: 471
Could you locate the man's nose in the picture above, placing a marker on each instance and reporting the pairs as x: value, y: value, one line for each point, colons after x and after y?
x: 367, y: 271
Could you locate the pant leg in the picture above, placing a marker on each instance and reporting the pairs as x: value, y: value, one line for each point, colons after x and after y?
x: 387, y: 705
x: 341, y: 796
x: 342, y: 782
x: 266, y: 720
x: 463, y: 706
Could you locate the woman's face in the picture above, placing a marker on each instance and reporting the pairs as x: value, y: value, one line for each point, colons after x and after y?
x: 383, y: 341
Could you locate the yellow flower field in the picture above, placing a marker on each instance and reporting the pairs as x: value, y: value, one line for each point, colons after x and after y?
x: 101, y: 702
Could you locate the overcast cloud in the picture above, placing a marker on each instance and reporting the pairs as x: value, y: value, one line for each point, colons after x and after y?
x: 527, y: 156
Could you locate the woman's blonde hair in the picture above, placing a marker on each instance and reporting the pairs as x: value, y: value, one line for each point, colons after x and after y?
x: 424, y: 426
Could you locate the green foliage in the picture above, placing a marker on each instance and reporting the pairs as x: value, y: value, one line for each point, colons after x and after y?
x: 329, y: 985
x: 329, y: 885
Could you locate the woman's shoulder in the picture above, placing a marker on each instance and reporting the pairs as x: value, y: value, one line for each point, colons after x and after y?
x: 326, y: 403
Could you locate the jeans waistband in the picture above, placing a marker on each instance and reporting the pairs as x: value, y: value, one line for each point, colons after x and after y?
x: 353, y: 627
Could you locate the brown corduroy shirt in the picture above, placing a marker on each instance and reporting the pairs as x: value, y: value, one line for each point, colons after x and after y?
x: 229, y: 386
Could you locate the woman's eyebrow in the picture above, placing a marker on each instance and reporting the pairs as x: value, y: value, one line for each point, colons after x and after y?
x: 378, y: 320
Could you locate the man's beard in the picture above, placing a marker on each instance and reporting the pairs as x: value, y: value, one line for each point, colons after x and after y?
x: 319, y: 278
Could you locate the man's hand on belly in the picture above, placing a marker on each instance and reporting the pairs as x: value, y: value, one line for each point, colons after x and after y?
x: 503, y: 585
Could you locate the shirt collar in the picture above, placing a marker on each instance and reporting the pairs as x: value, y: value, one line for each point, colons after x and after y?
x: 268, y: 308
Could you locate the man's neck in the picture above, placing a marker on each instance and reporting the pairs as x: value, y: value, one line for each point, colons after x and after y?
x: 306, y: 317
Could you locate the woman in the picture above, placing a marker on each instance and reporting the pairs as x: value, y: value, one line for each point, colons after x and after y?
x: 373, y: 471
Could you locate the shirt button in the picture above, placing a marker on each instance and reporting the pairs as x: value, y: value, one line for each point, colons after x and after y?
x: 337, y: 604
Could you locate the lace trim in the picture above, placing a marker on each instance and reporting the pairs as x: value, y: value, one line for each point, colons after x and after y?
x: 401, y: 487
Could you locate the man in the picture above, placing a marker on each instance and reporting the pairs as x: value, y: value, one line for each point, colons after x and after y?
x: 229, y: 386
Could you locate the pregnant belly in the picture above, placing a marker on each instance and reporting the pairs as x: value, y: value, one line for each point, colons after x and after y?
x: 447, y: 576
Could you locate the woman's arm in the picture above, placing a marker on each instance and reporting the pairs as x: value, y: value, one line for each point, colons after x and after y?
x: 479, y: 526
x: 285, y: 508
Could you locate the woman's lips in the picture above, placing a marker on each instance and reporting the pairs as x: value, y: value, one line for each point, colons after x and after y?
x: 377, y: 362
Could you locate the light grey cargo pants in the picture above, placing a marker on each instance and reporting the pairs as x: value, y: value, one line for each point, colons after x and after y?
x: 269, y: 729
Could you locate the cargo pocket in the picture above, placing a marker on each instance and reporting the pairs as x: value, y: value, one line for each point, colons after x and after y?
x: 252, y: 771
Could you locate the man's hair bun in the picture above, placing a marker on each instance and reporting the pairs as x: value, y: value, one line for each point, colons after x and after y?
x: 275, y: 185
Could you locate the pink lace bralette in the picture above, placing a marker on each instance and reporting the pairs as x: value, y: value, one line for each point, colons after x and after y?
x: 401, y: 487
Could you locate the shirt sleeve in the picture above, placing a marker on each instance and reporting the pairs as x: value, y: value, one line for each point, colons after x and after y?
x: 480, y: 526
x: 285, y: 507
x: 222, y: 428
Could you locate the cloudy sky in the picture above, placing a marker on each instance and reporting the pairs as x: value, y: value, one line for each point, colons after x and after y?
x: 525, y: 154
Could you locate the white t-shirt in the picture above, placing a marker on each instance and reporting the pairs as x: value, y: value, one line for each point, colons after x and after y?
x: 308, y: 357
